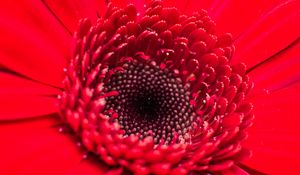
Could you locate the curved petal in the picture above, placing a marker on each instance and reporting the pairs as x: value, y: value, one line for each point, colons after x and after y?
x: 275, y: 136
x: 274, y: 32
x: 140, y: 4
x: 232, y: 16
x: 32, y: 42
x: 36, y: 147
x: 189, y: 6
x: 14, y: 84
x: 88, y: 166
x: 18, y: 106
x: 278, y: 71
x: 236, y: 16
x: 69, y: 12
x: 23, y: 98
x: 234, y: 170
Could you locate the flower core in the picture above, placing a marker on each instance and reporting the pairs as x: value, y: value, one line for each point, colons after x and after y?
x: 151, y: 101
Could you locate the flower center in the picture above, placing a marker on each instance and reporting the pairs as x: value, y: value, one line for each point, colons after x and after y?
x: 151, y: 101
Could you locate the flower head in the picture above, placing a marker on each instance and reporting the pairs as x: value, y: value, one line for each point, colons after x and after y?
x: 151, y: 90
x: 158, y: 94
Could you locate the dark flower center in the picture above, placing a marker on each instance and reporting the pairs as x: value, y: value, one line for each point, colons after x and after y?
x: 151, y: 101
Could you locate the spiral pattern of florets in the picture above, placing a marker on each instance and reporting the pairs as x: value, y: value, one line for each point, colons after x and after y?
x: 157, y: 94
x: 151, y: 101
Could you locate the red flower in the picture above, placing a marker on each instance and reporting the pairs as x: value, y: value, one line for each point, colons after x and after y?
x: 96, y: 92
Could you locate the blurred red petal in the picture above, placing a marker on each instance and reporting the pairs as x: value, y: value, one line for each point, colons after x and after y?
x: 189, y: 6
x: 70, y: 11
x: 23, y: 98
x: 274, y: 137
x: 124, y: 3
x: 36, y: 147
x: 18, y: 106
x: 278, y: 71
x: 14, y: 84
x: 234, y: 170
x: 236, y: 16
x: 272, y: 33
x: 32, y: 42
x: 88, y: 166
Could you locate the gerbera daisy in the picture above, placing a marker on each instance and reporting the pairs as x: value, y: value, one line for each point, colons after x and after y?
x: 149, y: 87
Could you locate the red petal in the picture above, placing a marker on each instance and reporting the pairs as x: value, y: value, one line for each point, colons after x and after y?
x: 22, y: 98
x: 32, y: 147
x: 13, y: 84
x: 88, y: 166
x: 236, y: 16
x: 33, y: 43
x: 275, y: 136
x: 70, y: 11
x: 272, y: 33
x: 235, y: 170
x: 189, y: 6
x: 278, y: 71
x: 17, y: 106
